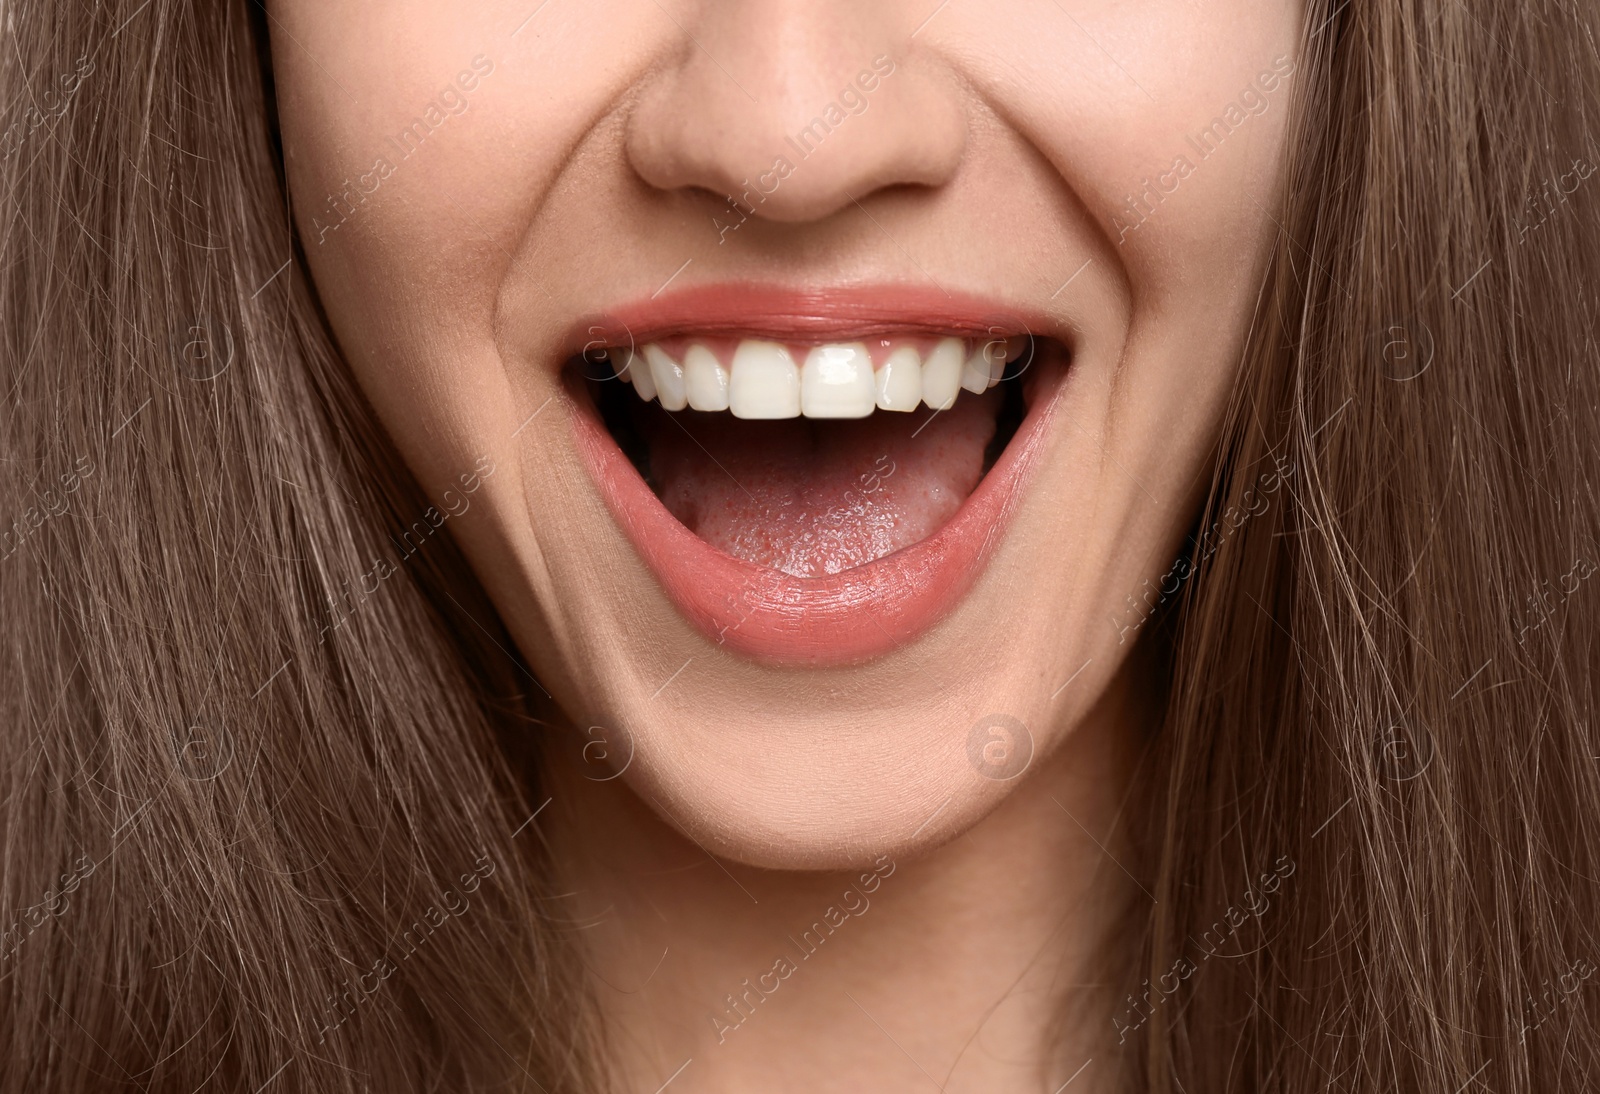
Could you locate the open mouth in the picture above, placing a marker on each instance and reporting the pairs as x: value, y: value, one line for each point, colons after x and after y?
x: 812, y: 490
x: 813, y: 459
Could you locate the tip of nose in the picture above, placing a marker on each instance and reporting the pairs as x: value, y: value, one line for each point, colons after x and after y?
x: 788, y: 160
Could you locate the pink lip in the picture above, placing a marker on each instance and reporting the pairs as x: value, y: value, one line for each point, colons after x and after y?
x: 842, y: 618
x: 805, y: 314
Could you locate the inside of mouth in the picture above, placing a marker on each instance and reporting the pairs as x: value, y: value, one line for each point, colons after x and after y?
x: 811, y: 496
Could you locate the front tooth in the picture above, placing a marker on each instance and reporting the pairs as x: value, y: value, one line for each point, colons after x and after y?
x: 763, y: 382
x: 668, y: 377
x: 899, y: 381
x: 705, y: 381
x: 620, y: 360
x: 975, y: 372
x: 941, y: 374
x: 836, y: 382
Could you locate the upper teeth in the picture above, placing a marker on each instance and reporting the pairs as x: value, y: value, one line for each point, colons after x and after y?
x: 834, y: 380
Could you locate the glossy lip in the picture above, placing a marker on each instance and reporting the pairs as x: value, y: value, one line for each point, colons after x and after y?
x: 838, y: 619
x: 805, y: 315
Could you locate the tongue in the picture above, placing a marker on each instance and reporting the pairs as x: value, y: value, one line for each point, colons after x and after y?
x: 816, y: 497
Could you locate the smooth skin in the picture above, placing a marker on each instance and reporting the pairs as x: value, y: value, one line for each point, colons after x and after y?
x: 579, y: 160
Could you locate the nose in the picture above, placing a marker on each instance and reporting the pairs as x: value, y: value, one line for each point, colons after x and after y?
x: 796, y: 108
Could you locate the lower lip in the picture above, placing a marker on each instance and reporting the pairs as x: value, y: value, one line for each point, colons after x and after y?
x: 840, y: 619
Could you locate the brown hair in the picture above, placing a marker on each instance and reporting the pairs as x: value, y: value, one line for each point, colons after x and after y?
x: 236, y: 794
x: 257, y: 823
x: 1376, y: 828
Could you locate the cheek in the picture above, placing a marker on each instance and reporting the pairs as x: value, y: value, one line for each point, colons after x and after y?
x: 1198, y: 195
x: 1116, y: 96
x: 408, y: 277
x: 1187, y: 222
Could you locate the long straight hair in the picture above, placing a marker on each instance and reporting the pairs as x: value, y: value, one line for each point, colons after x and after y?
x: 1375, y: 833
x: 258, y: 821
x: 259, y: 827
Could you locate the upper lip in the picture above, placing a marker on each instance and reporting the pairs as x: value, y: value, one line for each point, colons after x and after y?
x: 783, y: 313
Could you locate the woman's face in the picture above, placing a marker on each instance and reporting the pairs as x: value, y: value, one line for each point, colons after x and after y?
x: 959, y: 291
